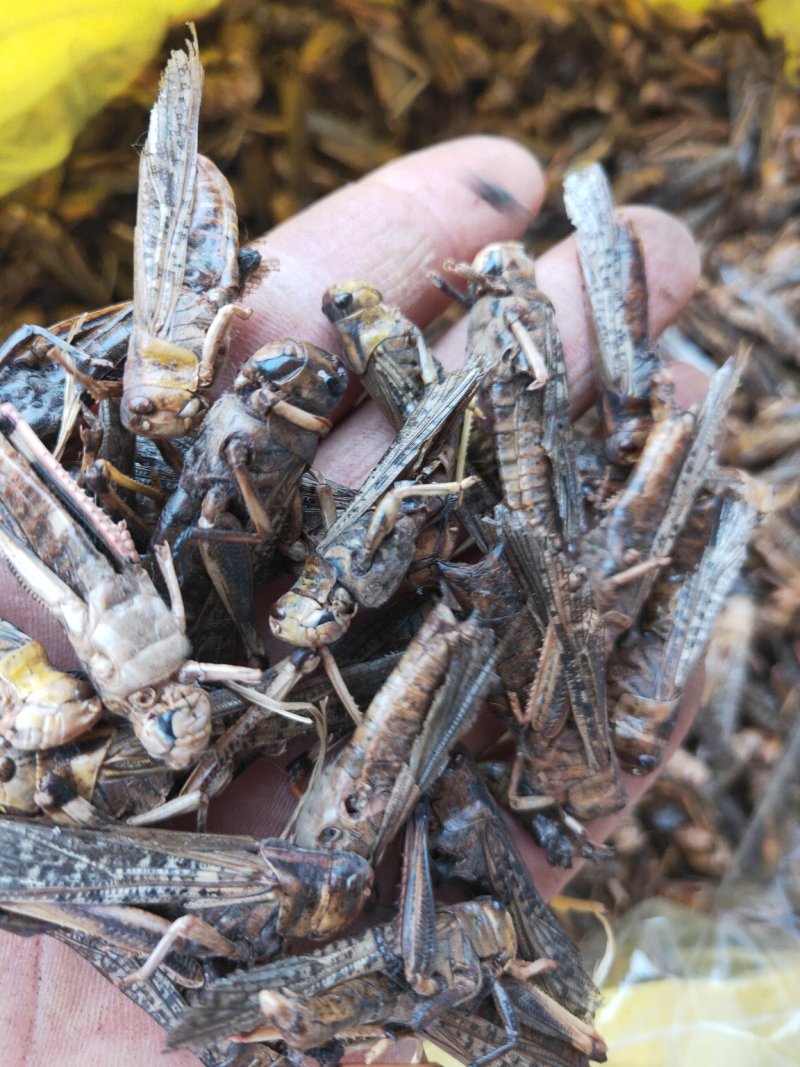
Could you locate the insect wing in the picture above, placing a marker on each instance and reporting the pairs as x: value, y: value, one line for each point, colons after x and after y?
x: 613, y: 270
x: 167, y: 177
x: 424, y: 429
x: 85, y: 867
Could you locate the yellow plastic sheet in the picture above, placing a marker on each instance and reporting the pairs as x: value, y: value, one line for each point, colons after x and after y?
x: 780, y: 18
x: 61, y: 61
x: 719, y: 990
x: 696, y: 1022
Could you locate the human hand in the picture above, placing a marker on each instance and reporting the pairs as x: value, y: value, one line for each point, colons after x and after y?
x: 392, y: 226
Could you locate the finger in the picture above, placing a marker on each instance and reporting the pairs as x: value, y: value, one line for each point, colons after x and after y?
x: 59, y: 1010
x: 389, y: 228
x: 672, y: 266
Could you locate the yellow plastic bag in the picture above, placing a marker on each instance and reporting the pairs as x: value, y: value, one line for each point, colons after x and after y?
x: 61, y: 61
x: 704, y: 990
x: 780, y: 18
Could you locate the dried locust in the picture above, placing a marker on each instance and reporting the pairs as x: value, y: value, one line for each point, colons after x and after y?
x: 235, y: 896
x: 365, y: 555
x: 186, y: 264
x: 132, y: 645
x: 540, y: 523
x: 613, y: 270
x: 158, y: 996
x: 363, y: 797
x: 354, y: 987
x: 384, y: 348
x: 97, y: 343
x: 471, y: 1038
x: 40, y: 707
x: 651, y: 667
x: 470, y: 842
x: 237, y: 493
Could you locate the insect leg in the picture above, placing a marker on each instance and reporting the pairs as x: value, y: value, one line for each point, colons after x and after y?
x: 507, y: 1015
x: 216, y: 340
x: 417, y: 907
x: 187, y: 928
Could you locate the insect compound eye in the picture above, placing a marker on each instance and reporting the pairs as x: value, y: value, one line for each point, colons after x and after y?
x: 279, y: 368
x: 8, y: 769
x: 328, y: 836
x: 164, y: 721
x: 335, y: 384
x: 344, y: 301
x: 143, y: 698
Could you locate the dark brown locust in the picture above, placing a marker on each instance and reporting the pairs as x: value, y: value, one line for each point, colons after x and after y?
x: 188, y: 270
x: 540, y: 522
x: 34, y: 382
x: 612, y: 263
x: 158, y: 995
x: 106, y: 774
x: 131, y: 644
x: 650, y: 668
x: 470, y: 1038
x: 366, y: 554
x: 234, y: 896
x: 354, y: 988
x: 470, y: 842
x: 633, y: 541
x: 362, y: 798
x: 238, y: 492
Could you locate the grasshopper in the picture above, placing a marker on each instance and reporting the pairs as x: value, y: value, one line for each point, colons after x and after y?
x: 627, y: 550
x: 318, y: 610
x: 613, y: 271
x: 186, y: 264
x: 188, y: 269
x: 32, y: 378
x: 102, y: 775
x: 470, y: 1038
x: 159, y: 997
x: 238, y: 489
x: 651, y: 667
x: 258, y: 731
x: 233, y: 896
x: 40, y: 707
x: 367, y: 552
x: 364, y: 796
x: 106, y: 774
x: 540, y: 522
x: 384, y: 348
x: 470, y: 842
x: 131, y: 644
x: 355, y: 987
